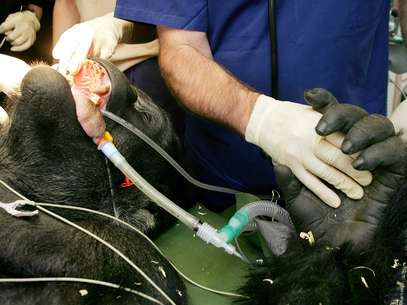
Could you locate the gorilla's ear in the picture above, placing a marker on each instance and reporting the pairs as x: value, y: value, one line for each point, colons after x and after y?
x: 12, y: 72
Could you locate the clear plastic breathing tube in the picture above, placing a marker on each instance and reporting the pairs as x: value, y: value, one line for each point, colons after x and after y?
x: 203, y: 230
x: 245, y: 216
x: 166, y: 156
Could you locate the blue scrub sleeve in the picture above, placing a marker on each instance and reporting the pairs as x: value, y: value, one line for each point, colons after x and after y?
x: 179, y: 14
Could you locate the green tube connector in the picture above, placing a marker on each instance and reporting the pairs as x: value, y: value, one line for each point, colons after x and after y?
x: 235, y: 225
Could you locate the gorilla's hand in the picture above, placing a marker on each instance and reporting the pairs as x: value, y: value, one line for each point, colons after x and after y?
x: 371, y: 133
x: 354, y: 221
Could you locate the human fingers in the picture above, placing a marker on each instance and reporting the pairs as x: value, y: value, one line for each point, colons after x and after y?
x: 6, y: 27
x: 334, y: 177
x: 333, y: 156
x: 22, y: 47
x: 328, y: 196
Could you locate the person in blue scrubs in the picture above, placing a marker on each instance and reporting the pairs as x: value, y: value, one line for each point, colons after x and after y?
x: 215, y: 55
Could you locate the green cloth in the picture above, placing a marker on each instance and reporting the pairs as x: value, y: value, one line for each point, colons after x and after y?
x: 205, y: 264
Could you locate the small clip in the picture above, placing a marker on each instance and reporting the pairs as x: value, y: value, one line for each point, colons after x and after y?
x: 127, y: 182
x: 11, y: 208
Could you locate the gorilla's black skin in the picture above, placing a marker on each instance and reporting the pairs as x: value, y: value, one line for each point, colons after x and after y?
x: 46, y: 156
x: 360, y: 248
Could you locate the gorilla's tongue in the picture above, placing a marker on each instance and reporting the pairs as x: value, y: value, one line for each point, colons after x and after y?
x: 91, y: 89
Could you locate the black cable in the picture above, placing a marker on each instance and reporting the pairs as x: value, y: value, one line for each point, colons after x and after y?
x: 273, y: 44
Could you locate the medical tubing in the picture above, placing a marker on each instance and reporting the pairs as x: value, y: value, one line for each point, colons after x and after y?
x: 111, y: 247
x: 225, y: 293
x: 41, y: 204
x: 204, y: 230
x: 245, y: 215
x: 102, y: 241
x: 166, y: 156
x: 79, y: 280
x: 111, y: 152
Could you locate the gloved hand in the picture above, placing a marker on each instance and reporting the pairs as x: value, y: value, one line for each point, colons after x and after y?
x: 354, y: 221
x: 97, y: 37
x: 286, y: 131
x: 399, y: 119
x: 20, y: 29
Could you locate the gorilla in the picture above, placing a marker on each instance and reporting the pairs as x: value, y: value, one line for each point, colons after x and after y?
x: 355, y: 254
x: 45, y: 156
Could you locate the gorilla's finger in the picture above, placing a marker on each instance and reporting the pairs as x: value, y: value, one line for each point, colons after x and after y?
x: 369, y: 130
x: 320, y: 99
x: 288, y: 183
x: 385, y: 153
x: 340, y: 117
x: 336, y: 117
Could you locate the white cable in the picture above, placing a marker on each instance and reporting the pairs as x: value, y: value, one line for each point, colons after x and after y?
x: 78, y: 280
x: 118, y: 252
x: 98, y: 239
x: 231, y: 294
x: 38, y: 204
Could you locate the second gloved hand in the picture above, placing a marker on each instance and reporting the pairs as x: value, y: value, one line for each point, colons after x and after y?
x: 97, y: 37
x: 20, y: 29
x: 286, y: 132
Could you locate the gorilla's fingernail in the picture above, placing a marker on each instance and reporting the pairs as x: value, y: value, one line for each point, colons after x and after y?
x: 322, y: 128
x: 358, y: 163
x: 346, y: 146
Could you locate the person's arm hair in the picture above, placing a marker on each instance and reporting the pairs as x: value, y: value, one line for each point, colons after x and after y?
x: 37, y: 10
x: 65, y: 15
x: 202, y: 85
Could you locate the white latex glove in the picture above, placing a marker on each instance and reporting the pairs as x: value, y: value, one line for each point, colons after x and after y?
x: 399, y: 120
x: 21, y: 30
x: 286, y: 132
x: 97, y: 37
x: 12, y: 73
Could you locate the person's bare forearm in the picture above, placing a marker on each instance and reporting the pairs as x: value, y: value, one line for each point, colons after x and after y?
x: 36, y: 10
x: 65, y: 15
x: 204, y: 87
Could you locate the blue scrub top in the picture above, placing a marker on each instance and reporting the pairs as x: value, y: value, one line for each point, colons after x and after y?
x: 337, y: 45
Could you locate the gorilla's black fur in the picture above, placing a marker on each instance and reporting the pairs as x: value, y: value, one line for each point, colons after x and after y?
x: 46, y: 156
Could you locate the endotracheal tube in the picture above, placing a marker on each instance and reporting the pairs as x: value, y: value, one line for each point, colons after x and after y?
x: 203, y: 230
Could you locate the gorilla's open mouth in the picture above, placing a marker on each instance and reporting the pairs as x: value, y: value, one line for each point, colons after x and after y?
x: 91, y: 81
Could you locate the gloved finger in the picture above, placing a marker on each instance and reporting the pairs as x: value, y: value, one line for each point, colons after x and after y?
x: 106, y: 53
x: 324, y: 193
x: 6, y: 26
x: 369, y: 130
x: 288, y: 183
x: 385, y: 153
x: 13, y: 35
x: 25, y: 46
x: 4, y: 118
x: 81, y: 53
x: 19, y: 40
x: 333, y: 156
x: 334, y: 177
x: 65, y: 48
x: 89, y: 116
x: 336, y: 139
x: 320, y: 99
